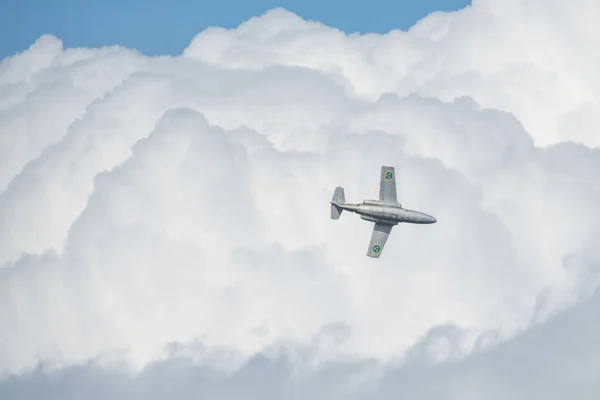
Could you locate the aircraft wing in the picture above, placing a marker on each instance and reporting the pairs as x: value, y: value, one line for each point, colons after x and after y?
x: 387, y: 185
x: 378, y: 239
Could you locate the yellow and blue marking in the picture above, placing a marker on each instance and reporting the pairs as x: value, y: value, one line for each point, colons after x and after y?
x: 376, y: 248
x: 389, y: 175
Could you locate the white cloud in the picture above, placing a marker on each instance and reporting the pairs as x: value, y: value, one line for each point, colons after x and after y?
x: 552, y: 361
x: 146, y: 201
x: 532, y: 58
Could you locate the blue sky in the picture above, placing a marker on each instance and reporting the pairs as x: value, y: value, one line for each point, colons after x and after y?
x: 167, y: 26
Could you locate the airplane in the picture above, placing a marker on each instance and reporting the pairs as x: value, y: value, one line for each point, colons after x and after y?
x: 386, y: 212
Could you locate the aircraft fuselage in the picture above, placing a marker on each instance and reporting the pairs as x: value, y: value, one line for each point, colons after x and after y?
x: 388, y: 213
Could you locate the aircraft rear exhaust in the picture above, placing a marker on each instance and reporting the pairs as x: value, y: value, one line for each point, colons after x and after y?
x: 337, y: 201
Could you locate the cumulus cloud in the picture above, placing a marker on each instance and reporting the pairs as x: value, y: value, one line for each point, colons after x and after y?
x: 159, y: 209
x: 551, y: 361
x: 532, y: 58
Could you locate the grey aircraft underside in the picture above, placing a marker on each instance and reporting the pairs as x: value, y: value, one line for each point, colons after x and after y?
x: 385, y: 212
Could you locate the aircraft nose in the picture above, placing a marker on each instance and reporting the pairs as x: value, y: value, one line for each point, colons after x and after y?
x: 430, y: 220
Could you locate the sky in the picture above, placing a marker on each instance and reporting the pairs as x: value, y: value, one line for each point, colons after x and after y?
x: 166, y: 26
x: 165, y: 224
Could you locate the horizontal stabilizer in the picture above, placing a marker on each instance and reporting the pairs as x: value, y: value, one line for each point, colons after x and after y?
x: 337, y: 201
x: 336, y: 211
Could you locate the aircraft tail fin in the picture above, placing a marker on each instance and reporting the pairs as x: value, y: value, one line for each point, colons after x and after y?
x: 337, y: 201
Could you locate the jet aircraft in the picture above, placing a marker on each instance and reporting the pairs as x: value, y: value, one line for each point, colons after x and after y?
x: 385, y: 212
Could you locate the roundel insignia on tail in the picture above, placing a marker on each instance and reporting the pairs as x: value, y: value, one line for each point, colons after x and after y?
x: 389, y: 175
x: 376, y: 248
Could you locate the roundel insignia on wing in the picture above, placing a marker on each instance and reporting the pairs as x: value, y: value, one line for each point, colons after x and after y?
x: 376, y: 248
x: 389, y: 175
